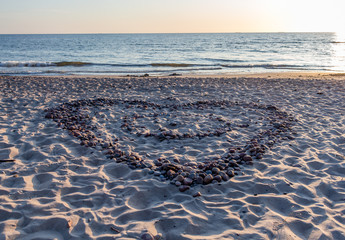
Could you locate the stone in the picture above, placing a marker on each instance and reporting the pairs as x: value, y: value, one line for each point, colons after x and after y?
x: 146, y: 236
x: 158, y: 237
x: 215, y: 170
x: 208, y: 179
x: 183, y: 188
x: 197, y: 194
x: 199, y: 180
x: 218, y: 178
x: 230, y: 173
x: 247, y: 158
x: 170, y: 173
x: 180, y: 178
x: 187, y: 181
x: 192, y: 176
x: 224, y: 176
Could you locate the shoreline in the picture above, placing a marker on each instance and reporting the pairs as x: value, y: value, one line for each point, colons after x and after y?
x: 302, y: 74
x: 58, y: 188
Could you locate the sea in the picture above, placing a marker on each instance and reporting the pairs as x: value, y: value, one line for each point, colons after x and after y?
x: 170, y: 54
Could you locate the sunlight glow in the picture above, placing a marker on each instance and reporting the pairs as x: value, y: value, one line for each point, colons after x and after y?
x: 138, y: 16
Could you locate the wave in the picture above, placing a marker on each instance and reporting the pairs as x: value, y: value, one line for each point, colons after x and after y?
x: 223, y: 60
x: 26, y: 64
x: 149, y: 70
x: 80, y: 64
x: 267, y: 66
x: 41, y: 64
x: 171, y: 65
x: 154, y: 67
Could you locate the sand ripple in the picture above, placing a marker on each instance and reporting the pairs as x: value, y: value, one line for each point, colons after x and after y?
x: 58, y: 189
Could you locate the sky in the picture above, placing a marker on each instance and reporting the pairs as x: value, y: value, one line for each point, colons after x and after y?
x: 170, y: 16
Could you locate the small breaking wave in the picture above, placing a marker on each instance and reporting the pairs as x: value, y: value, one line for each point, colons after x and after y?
x: 171, y: 65
x: 266, y: 66
x: 26, y: 64
x: 42, y: 64
x: 80, y: 64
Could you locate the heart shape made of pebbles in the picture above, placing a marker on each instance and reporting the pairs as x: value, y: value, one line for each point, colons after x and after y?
x: 189, y: 143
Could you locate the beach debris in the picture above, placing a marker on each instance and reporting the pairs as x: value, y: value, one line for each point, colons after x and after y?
x: 115, y: 229
x: 77, y: 118
x: 7, y: 160
x: 197, y: 194
x: 69, y: 224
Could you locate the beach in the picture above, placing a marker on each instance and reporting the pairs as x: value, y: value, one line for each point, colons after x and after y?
x: 257, y: 156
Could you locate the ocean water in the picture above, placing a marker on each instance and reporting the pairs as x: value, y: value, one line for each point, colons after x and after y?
x: 166, y: 54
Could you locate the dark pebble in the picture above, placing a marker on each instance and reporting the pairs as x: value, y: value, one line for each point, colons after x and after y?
x: 187, y: 181
x: 197, y: 194
x: 215, y: 170
x: 208, y: 179
x: 183, y: 188
x: 180, y: 178
x: 146, y: 236
x: 224, y: 176
x: 218, y: 178
x: 199, y: 180
x: 230, y: 173
x: 247, y: 158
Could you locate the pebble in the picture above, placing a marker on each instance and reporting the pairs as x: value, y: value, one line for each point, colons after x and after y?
x: 158, y: 237
x: 187, y: 181
x: 192, y: 176
x: 146, y: 236
x: 183, y: 188
x: 199, y: 180
x: 177, y: 183
x: 215, y: 170
x: 230, y: 173
x: 180, y: 178
x: 218, y: 178
x: 247, y: 158
x: 224, y: 176
x: 170, y: 173
x: 197, y: 194
x: 208, y: 179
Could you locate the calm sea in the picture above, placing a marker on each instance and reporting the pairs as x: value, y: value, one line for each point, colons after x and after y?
x: 165, y: 54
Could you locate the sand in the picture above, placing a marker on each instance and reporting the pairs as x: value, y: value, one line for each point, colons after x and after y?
x: 57, y: 188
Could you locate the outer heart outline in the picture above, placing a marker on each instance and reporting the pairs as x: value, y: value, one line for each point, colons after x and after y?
x: 70, y: 117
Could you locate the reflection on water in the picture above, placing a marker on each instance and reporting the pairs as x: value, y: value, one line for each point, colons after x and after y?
x: 338, y: 46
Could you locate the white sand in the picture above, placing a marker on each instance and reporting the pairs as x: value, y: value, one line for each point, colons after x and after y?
x: 58, y: 189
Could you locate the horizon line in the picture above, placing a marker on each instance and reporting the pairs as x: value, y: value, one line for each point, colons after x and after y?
x: 164, y: 33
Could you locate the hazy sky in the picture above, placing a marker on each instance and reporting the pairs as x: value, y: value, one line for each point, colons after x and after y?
x: 151, y: 16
